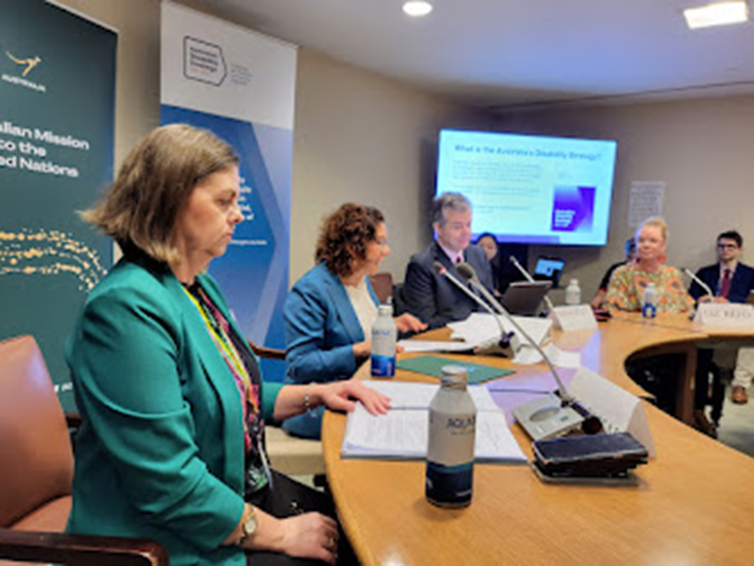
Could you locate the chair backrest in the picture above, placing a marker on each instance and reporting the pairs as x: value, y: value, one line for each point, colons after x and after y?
x: 382, y: 283
x: 36, y: 459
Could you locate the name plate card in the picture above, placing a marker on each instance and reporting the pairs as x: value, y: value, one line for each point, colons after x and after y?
x: 725, y: 314
x: 618, y: 410
x: 576, y: 317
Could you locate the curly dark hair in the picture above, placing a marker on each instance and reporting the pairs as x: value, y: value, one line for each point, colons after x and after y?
x: 344, y: 236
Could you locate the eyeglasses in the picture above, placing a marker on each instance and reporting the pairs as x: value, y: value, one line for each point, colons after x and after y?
x: 727, y: 246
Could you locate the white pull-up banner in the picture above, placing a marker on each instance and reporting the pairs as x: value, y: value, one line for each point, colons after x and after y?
x: 241, y: 85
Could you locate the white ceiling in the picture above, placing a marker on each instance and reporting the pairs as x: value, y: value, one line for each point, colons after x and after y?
x: 503, y: 53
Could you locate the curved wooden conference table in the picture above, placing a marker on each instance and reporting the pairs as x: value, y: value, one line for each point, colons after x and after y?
x: 694, y: 503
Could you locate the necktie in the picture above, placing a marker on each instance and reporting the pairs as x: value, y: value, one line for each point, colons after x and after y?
x: 725, y: 285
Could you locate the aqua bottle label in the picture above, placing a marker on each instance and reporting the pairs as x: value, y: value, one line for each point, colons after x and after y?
x: 450, y: 455
x: 383, y: 366
x: 449, y: 486
x: 648, y: 310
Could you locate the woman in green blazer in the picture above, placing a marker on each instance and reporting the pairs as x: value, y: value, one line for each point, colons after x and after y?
x: 173, y: 402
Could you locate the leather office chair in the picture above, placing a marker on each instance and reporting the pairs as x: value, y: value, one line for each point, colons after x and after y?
x: 36, y: 473
x: 382, y: 283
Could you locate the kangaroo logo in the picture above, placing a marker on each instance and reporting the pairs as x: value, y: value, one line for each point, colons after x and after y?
x: 30, y: 63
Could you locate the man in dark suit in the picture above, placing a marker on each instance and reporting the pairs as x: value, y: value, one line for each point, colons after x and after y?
x: 730, y: 281
x: 429, y: 295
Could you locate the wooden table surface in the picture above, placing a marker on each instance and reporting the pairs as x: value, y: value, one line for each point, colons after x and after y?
x: 694, y: 504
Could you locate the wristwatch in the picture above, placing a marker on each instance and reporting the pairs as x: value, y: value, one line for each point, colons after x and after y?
x: 249, y: 525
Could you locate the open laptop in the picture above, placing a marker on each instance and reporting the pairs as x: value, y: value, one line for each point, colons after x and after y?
x: 524, y: 297
x: 549, y: 269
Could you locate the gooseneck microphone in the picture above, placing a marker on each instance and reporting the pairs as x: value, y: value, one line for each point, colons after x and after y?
x: 514, y: 260
x: 699, y: 282
x: 553, y: 415
x: 469, y: 274
x: 507, y: 346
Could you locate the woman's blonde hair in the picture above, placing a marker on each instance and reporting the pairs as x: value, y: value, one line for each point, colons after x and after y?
x: 657, y: 222
x: 140, y: 208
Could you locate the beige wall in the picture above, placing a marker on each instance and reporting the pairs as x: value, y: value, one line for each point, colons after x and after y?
x: 362, y: 138
x: 358, y: 136
x: 702, y: 149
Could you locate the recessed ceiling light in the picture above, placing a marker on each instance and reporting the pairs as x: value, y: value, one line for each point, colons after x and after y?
x: 718, y: 14
x: 417, y: 8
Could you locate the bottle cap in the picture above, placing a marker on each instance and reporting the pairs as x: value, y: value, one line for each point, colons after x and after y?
x: 454, y: 376
x: 385, y: 310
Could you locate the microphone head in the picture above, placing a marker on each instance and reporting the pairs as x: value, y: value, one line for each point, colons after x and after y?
x: 439, y: 268
x: 466, y: 271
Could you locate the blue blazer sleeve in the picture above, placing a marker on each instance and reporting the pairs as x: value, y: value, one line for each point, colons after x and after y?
x: 321, y: 329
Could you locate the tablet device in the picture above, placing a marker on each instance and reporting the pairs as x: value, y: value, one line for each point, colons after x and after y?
x: 549, y: 269
x: 524, y: 297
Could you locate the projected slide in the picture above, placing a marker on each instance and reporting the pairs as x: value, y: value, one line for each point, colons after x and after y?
x: 531, y: 189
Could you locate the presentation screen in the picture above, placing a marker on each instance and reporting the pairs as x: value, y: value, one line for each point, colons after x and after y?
x: 531, y: 189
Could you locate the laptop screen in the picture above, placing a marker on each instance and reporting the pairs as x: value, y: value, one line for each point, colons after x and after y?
x: 549, y: 269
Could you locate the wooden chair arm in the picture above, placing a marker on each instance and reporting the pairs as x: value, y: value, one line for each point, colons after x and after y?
x: 269, y: 353
x: 80, y: 550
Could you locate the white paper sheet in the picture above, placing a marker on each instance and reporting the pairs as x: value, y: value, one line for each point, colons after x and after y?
x: 434, y: 346
x: 403, y: 434
x: 405, y: 395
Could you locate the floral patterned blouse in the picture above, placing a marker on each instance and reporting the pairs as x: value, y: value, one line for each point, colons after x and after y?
x: 629, y: 281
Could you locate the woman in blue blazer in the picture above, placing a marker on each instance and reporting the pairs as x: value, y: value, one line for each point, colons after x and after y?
x: 330, y: 311
x: 172, y: 398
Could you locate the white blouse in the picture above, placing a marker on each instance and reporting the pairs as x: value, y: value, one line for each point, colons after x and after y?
x: 363, y: 305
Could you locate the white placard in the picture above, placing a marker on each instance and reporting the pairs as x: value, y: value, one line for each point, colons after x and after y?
x: 618, y: 410
x: 574, y: 317
x: 725, y: 314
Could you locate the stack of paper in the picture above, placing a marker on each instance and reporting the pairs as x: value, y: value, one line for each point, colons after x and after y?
x: 403, y: 433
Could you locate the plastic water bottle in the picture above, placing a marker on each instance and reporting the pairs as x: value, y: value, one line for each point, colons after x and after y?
x: 450, y: 453
x: 649, y: 301
x: 573, y: 293
x: 384, y: 335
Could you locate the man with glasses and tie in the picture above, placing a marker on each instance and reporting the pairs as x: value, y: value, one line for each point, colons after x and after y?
x: 430, y: 296
x: 730, y: 281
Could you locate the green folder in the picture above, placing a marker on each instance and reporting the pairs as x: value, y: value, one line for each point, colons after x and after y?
x: 432, y: 366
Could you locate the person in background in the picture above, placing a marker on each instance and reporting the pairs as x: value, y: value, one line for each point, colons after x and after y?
x: 730, y: 281
x: 503, y: 272
x: 629, y: 250
x: 171, y: 395
x: 628, y: 281
x: 428, y: 294
x: 330, y: 311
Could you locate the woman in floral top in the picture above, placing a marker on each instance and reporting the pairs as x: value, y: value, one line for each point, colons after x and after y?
x: 629, y: 281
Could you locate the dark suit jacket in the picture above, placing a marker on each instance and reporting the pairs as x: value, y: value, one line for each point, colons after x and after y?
x: 431, y: 297
x: 740, y: 286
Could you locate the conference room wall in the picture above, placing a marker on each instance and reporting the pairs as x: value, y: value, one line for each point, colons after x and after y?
x: 362, y: 138
x: 358, y: 136
x: 702, y: 149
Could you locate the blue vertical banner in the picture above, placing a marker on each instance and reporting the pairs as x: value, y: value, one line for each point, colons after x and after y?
x: 57, y: 100
x: 241, y: 85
